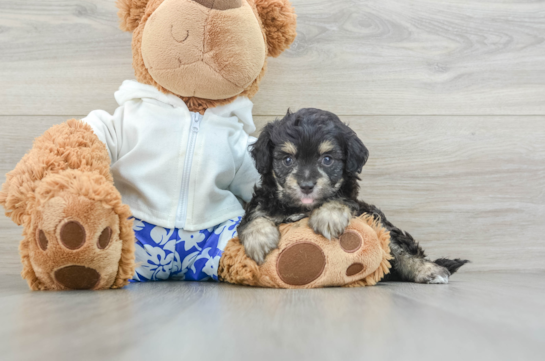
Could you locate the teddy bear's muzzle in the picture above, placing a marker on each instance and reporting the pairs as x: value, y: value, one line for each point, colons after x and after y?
x: 204, y: 48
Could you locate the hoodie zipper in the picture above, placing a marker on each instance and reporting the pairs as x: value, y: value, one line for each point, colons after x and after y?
x: 181, y: 213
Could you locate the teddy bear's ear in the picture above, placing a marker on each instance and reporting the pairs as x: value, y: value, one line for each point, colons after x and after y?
x: 130, y: 13
x: 280, y: 22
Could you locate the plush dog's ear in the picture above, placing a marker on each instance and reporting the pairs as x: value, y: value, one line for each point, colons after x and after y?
x: 280, y: 23
x: 356, y: 155
x: 130, y: 13
x: 262, y: 149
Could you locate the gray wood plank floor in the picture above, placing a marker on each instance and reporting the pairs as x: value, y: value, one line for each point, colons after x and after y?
x: 478, y: 316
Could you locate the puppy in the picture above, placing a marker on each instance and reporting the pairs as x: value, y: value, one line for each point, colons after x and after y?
x: 309, y: 163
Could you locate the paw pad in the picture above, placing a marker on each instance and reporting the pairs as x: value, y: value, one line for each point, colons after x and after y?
x: 300, y: 264
x: 77, y: 277
x: 42, y: 240
x: 351, y: 241
x: 105, y: 238
x: 72, y: 235
x: 354, y: 269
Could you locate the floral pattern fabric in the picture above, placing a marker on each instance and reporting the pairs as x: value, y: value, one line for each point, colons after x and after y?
x: 176, y: 254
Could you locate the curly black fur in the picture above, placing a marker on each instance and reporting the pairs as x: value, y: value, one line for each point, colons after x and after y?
x: 289, y: 158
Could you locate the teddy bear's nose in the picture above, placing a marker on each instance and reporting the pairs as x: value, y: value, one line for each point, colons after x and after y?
x: 220, y: 4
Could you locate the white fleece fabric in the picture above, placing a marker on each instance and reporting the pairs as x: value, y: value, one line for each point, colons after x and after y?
x: 147, y: 138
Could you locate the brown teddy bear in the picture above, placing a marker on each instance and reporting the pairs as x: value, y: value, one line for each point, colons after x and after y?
x: 163, y: 178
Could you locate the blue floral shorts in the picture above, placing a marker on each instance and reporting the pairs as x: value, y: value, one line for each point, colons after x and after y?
x: 176, y: 254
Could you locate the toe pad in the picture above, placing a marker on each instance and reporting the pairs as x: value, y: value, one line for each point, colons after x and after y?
x: 72, y: 235
x: 351, y: 241
x: 42, y: 240
x: 354, y: 269
x: 300, y: 264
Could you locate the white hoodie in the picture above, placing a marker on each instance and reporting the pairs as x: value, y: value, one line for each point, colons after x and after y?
x: 175, y: 168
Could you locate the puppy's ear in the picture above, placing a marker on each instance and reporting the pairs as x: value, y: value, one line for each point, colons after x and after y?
x: 356, y: 155
x: 280, y: 23
x: 130, y: 13
x: 262, y: 149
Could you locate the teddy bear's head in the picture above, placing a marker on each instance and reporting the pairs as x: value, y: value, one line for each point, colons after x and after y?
x: 208, y: 52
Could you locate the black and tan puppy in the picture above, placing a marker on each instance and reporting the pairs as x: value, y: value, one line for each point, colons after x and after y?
x: 309, y: 163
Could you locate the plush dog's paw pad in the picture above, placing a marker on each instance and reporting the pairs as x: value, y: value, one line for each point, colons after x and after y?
x: 41, y: 238
x: 300, y: 264
x: 351, y: 241
x: 77, y: 277
x: 104, y: 238
x: 354, y: 269
x: 72, y: 235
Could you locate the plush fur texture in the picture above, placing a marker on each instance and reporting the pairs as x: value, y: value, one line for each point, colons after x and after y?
x: 374, y: 255
x: 194, y: 51
x: 310, y: 163
x: 66, y: 176
x: 130, y: 13
x: 276, y: 17
x: 279, y: 22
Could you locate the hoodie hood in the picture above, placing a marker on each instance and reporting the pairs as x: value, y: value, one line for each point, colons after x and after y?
x: 241, y: 107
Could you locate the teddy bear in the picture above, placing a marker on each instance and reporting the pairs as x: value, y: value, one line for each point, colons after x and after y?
x: 155, y: 190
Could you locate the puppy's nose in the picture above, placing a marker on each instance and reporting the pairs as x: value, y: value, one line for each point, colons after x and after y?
x: 220, y: 4
x: 307, y: 186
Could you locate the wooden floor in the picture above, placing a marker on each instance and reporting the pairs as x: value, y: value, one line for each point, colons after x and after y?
x: 478, y: 316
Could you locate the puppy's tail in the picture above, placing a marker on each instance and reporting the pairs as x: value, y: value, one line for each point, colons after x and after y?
x: 451, y: 264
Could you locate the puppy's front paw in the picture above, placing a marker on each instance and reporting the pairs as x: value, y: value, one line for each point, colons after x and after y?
x: 432, y: 273
x: 330, y: 220
x: 259, y: 237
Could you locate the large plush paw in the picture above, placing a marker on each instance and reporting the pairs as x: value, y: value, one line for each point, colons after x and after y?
x: 330, y: 220
x: 78, y: 235
x: 432, y: 273
x: 76, y: 243
x: 259, y: 237
x: 306, y: 260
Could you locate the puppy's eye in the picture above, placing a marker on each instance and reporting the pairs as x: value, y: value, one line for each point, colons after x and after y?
x: 327, y: 161
x: 288, y: 161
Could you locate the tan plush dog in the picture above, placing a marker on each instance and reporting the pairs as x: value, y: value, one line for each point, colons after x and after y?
x: 203, y: 56
x: 304, y: 259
